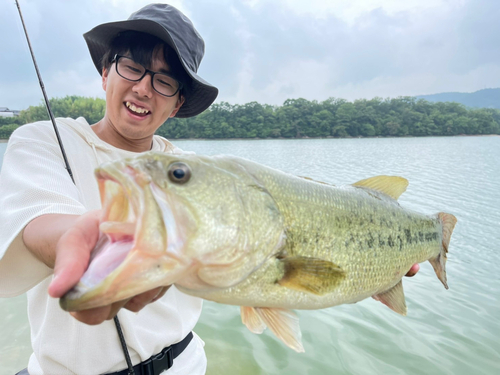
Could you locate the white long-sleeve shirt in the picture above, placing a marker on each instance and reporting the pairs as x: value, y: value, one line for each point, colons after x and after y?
x: 34, y: 182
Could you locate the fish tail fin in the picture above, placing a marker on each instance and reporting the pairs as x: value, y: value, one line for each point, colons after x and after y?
x: 448, y: 222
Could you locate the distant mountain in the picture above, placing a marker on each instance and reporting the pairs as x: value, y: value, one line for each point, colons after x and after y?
x: 487, y: 98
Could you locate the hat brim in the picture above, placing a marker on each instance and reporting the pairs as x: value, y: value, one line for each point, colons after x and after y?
x: 198, y: 94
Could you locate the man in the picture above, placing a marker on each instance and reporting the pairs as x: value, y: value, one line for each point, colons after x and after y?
x: 50, y: 224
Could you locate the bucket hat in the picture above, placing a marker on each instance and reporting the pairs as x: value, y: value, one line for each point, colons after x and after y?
x: 172, y: 27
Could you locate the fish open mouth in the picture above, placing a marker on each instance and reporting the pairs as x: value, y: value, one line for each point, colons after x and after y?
x: 133, y: 254
x: 119, y: 219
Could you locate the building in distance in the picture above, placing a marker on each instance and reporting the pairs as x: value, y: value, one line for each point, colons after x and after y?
x: 6, y: 112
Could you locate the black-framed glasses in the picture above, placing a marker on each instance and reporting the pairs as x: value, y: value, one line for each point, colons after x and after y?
x: 162, y: 83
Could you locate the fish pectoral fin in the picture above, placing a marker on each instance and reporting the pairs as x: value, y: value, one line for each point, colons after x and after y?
x: 393, y: 298
x: 392, y: 186
x: 283, y: 323
x: 311, y: 275
x: 252, y: 320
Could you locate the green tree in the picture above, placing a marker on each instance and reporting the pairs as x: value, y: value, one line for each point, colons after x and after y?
x: 7, y: 130
x: 296, y: 118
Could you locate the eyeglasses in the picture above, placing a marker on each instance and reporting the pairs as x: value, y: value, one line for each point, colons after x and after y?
x: 162, y: 83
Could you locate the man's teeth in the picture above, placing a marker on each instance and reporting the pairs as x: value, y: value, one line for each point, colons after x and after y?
x: 135, y: 109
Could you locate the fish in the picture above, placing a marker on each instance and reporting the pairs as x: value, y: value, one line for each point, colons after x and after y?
x: 233, y: 231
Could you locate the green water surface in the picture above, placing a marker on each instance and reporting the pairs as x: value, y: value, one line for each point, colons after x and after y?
x: 453, y: 331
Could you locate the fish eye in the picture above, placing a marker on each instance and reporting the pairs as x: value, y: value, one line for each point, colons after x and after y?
x: 179, y: 173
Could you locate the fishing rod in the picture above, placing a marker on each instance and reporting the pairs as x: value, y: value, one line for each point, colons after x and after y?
x: 47, y: 104
x: 68, y: 168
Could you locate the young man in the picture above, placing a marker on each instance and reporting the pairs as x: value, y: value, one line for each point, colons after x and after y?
x: 50, y: 224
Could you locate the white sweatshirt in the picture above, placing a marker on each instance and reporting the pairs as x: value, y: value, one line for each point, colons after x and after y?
x: 34, y: 182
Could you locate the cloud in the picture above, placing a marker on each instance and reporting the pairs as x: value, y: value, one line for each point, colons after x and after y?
x: 269, y: 51
x: 478, y: 32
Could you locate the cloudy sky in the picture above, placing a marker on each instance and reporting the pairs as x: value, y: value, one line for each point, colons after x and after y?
x: 272, y: 50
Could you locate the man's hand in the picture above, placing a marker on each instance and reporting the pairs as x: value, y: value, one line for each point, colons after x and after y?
x: 98, y: 315
x: 64, y: 242
x: 413, y: 270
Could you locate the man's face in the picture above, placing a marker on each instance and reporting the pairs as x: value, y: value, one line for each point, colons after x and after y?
x: 135, y: 110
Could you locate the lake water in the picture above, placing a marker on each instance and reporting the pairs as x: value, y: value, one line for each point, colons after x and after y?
x: 453, y: 331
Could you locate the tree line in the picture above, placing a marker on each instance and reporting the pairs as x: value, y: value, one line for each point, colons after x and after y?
x: 297, y: 118
x: 70, y: 106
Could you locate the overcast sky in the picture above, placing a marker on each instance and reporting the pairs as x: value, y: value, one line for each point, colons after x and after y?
x: 272, y: 50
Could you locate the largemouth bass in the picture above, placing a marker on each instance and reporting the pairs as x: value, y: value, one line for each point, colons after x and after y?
x: 236, y: 232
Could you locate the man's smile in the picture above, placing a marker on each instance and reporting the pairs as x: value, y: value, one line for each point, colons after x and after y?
x: 137, y: 110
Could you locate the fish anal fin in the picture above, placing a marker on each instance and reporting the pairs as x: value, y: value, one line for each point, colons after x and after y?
x: 393, y: 298
x: 311, y: 275
x: 392, y: 186
x: 284, y: 324
x: 448, y: 222
x: 252, y: 320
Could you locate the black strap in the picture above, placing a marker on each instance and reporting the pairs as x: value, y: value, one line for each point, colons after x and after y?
x: 161, y: 361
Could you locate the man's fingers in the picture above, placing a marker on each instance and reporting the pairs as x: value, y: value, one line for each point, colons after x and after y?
x: 413, y: 270
x: 134, y: 304
x: 100, y: 314
x: 115, y: 307
x: 161, y: 294
x: 138, y: 302
x: 71, y: 263
x: 92, y: 316
x: 73, y: 253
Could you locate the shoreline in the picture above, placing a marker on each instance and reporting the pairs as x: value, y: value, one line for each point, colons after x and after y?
x: 3, y: 140
x: 283, y: 138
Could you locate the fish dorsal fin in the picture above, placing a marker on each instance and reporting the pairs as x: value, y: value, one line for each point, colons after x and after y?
x: 393, y: 186
x: 282, y: 322
x: 311, y: 275
x: 393, y: 298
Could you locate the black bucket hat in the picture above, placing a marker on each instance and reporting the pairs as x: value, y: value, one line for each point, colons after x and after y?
x: 174, y: 28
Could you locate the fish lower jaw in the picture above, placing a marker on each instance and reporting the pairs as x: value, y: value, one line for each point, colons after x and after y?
x: 77, y: 300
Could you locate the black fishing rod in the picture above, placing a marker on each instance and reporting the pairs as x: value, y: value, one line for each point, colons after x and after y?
x: 68, y: 168
x: 47, y: 104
